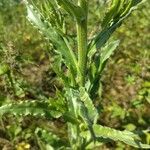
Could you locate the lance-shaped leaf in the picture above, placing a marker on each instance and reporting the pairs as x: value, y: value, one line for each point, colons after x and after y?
x: 80, y: 104
x: 72, y: 97
x: 72, y: 9
x: 72, y: 100
x: 99, y: 64
x: 91, y: 109
x: 111, y: 23
x: 111, y: 13
x: 50, y: 12
x: 33, y: 108
x: 81, y: 108
x: 52, y: 34
x: 106, y: 52
x: 124, y: 136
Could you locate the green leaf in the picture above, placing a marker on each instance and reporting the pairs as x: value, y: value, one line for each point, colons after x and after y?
x: 50, y: 12
x: 101, y: 39
x: 78, y: 102
x: 81, y: 106
x: 73, y: 112
x: 72, y: 9
x: 112, y: 22
x: 106, y: 52
x: 91, y: 110
x: 68, y: 117
x: 57, y: 64
x: 112, y: 12
x: 4, y: 69
x: 34, y: 108
x: 116, y: 135
x: 118, y: 10
x: 49, y: 139
x: 99, y: 64
x: 36, y: 19
x: 59, y: 42
x: 72, y: 100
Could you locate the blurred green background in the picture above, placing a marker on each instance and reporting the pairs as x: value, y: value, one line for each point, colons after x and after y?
x: 126, y: 82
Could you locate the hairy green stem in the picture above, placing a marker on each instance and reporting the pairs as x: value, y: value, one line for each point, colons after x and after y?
x: 82, y: 42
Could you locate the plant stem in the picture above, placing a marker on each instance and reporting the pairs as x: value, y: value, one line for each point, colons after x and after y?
x: 82, y: 42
